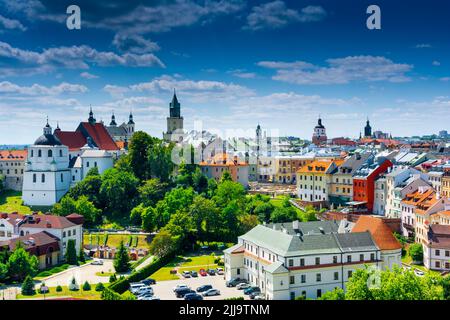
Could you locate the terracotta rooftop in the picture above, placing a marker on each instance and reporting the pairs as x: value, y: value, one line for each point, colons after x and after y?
x: 319, y: 166
x: 223, y: 159
x: 100, y: 135
x: 48, y: 221
x: 381, y: 233
x: 11, y: 155
x: 74, y: 140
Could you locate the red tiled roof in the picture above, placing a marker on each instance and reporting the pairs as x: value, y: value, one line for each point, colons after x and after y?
x: 10, y: 155
x: 48, y: 221
x: 100, y: 135
x: 381, y: 233
x: 74, y: 140
x: 36, y: 243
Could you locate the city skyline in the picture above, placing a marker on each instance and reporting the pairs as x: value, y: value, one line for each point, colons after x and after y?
x: 234, y: 64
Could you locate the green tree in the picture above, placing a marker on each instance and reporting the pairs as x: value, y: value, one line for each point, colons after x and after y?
x: 148, y: 218
x: 199, y: 181
x: 86, y: 286
x: 416, y: 252
x: 139, y: 153
x: 161, y: 165
x: 3, y: 272
x: 99, y: 287
x: 136, y: 214
x: 283, y: 214
x: 176, y: 199
x: 152, y: 191
x: 162, y: 244
x: 181, y: 227
x: 212, y: 187
x: 87, y: 209
x: 71, y: 253
x: 21, y: 263
x: 28, y: 286
x: 119, y: 190
x: 81, y: 257
x: 89, y: 187
x: 65, y: 206
x: 357, y: 288
x: 228, y: 191
x: 206, y: 217
x: 226, y: 176
x: 336, y: 294
x: 121, y: 259
x: 264, y: 211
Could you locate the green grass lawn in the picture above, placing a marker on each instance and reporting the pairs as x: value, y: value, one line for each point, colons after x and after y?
x: 190, y: 263
x: 104, y: 274
x: 11, y: 201
x: 89, y: 295
x: 278, y: 202
x: 138, y: 241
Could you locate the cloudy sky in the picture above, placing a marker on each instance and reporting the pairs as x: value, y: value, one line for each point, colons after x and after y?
x: 234, y: 64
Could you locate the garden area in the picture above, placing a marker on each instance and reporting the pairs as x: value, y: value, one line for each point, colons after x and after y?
x: 11, y: 201
x: 65, y: 291
x: 113, y: 240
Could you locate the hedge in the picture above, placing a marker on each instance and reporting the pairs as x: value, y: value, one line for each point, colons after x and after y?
x: 122, y: 285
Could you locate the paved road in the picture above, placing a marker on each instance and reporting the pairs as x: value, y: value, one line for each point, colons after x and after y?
x: 145, y: 263
x: 81, y: 274
x: 164, y: 289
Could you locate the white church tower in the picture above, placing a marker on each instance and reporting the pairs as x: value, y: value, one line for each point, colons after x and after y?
x: 47, y: 174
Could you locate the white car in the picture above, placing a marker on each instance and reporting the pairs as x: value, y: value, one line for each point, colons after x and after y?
x: 134, y: 287
x: 144, y: 290
x: 179, y: 286
x: 97, y: 262
x: 242, y: 286
x: 211, y: 292
x: 419, y: 272
x: 259, y: 297
x: 219, y: 271
x: 149, y: 298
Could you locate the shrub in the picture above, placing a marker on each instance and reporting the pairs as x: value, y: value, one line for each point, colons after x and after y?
x: 28, y: 286
x: 416, y: 252
x: 86, y: 286
x: 58, y: 289
x: 73, y: 286
x: 112, y: 278
x: 99, y: 287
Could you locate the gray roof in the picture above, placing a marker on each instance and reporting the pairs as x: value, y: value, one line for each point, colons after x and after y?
x: 312, y: 227
x: 356, y: 241
x: 354, y: 163
x: 116, y: 131
x: 276, y: 267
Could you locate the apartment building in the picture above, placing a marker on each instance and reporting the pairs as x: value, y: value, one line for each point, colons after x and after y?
x: 288, y: 260
x: 12, y: 165
x: 341, y: 187
x: 436, y: 254
x: 379, y: 203
x: 314, y: 179
x: 435, y: 179
x: 408, y: 205
x: 216, y: 166
x: 445, y: 184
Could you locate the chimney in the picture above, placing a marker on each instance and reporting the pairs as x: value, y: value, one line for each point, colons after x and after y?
x: 295, y: 225
x: 49, y: 225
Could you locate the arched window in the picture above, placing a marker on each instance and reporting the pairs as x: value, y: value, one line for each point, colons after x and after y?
x: 34, y: 177
x: 32, y: 153
x: 60, y: 153
x: 62, y: 178
x: 43, y: 178
x: 50, y: 153
x: 39, y: 153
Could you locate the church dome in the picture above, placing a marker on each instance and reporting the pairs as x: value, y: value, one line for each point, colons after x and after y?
x: 47, y: 140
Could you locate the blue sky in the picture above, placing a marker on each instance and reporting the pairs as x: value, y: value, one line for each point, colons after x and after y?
x: 234, y: 64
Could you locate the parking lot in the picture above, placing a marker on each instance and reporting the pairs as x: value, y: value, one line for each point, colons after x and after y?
x: 164, y: 289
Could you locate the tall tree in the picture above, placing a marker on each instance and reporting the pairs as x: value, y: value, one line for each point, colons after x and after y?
x: 162, y: 244
x: 138, y: 151
x: 71, y: 253
x: 206, y: 217
x: 121, y: 259
x: 160, y: 161
x: 151, y: 191
x: 28, y: 286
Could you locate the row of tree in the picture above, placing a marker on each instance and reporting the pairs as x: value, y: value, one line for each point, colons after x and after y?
x: 17, y: 265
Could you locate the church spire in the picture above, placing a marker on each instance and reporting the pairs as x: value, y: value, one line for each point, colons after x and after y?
x: 113, y: 120
x: 130, y: 118
x: 91, y: 119
x: 174, y: 106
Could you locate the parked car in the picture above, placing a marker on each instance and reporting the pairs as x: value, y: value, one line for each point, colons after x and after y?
x: 419, y: 272
x: 97, y: 262
x: 194, y: 274
x: 203, y: 272
x: 144, y: 296
x: 134, y: 287
x: 251, y: 290
x: 234, y: 282
x: 259, y: 297
x: 254, y: 294
x: 182, y: 292
x: 242, y: 286
x: 211, y: 292
x: 150, y: 298
x: 219, y: 271
x: 143, y: 290
x: 211, y: 272
x: 148, y: 281
x: 186, y: 274
x: 180, y: 286
x: 204, y: 247
x: 192, y: 296
x: 204, y: 288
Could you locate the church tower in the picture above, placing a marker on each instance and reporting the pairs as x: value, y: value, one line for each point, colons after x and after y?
x: 113, y: 122
x: 130, y: 125
x: 258, y: 140
x: 175, y: 120
x: 91, y: 118
x: 320, y: 135
x: 367, y: 130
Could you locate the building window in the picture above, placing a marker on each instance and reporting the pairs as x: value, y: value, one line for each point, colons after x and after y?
x: 438, y: 252
x: 43, y: 178
x: 238, y: 271
x: 372, y: 256
x: 318, y: 277
x: 361, y: 257
x: 62, y: 178
x: 437, y: 264
x: 447, y: 253
x: 32, y: 153
x: 39, y: 153
x: 60, y: 153
x: 50, y: 153
x: 349, y: 258
x: 292, y: 295
x: 303, y: 278
x: 291, y: 262
x: 349, y: 273
x: 317, y: 260
x: 319, y: 293
x: 335, y: 260
x: 34, y: 177
x: 87, y: 164
x: 336, y: 276
x: 302, y: 262
x: 291, y: 280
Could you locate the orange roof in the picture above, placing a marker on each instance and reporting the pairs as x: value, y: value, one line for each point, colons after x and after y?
x: 416, y: 198
x: 120, y: 144
x: 445, y: 213
x: 11, y: 155
x: 319, y: 166
x: 381, y: 233
x: 222, y: 159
